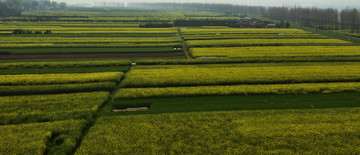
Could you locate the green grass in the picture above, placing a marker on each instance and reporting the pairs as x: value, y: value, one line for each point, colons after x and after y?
x: 254, y: 89
x: 266, y: 42
x: 45, y: 108
x: 278, y: 51
x: 332, y: 34
x: 246, y: 60
x: 242, y: 102
x: 63, y: 63
x: 63, y: 78
x: 57, y: 88
x: 86, y: 50
x: 94, y: 35
x: 41, y: 138
x: 161, y: 60
x: 310, y: 131
x: 64, y: 70
x: 200, y: 75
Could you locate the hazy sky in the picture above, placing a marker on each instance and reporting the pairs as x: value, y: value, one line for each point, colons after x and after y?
x: 318, y: 3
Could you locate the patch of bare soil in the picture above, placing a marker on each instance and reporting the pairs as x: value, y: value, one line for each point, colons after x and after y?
x: 131, y: 109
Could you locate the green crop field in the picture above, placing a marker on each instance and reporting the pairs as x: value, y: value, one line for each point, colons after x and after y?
x: 226, y: 75
x: 249, y: 36
x: 86, y: 39
x: 127, y: 80
x: 277, y: 51
x: 38, y: 108
x: 263, y: 42
x: 33, y: 79
x: 240, y: 132
x: 34, y: 137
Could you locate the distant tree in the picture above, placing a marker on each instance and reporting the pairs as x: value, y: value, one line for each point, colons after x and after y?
x: 62, y: 6
x: 6, y: 10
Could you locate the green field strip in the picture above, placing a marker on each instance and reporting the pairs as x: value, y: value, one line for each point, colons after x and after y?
x: 40, y: 138
x: 56, y: 89
x: 245, y: 60
x: 249, y: 36
x: 191, y: 75
x: 245, y: 31
x: 70, y: 78
x: 332, y: 34
x: 58, y: 40
x: 92, y: 35
x: 63, y: 70
x: 44, y: 108
x: 235, y: 102
x: 265, y: 42
x: 278, y: 51
x: 65, y: 63
x: 88, y: 45
x: 236, y: 132
x: 86, y: 50
x: 256, y: 89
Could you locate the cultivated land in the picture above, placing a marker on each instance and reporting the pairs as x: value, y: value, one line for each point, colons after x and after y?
x: 207, y: 89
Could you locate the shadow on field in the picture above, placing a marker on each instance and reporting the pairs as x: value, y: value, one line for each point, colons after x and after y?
x: 230, y: 103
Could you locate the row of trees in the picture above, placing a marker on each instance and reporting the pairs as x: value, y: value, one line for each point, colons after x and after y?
x: 14, y: 7
x: 328, y: 18
x: 6, y: 11
x: 323, y: 18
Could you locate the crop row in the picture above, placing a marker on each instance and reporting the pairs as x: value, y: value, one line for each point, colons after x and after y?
x: 243, y: 31
x: 245, y: 60
x: 327, y: 131
x: 19, y: 40
x: 257, y: 36
x: 23, y: 25
x: 88, y: 45
x: 140, y: 30
x: 40, y: 108
x: 196, y: 75
x: 112, y: 32
x: 57, y: 88
x: 38, y: 79
x: 120, y: 19
x: 276, y: 89
x: 277, y: 51
x: 254, y: 42
x: 6, y: 32
x: 65, y: 64
x: 34, y: 138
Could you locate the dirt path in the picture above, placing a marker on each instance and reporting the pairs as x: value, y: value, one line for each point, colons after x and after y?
x: 85, y: 56
x: 186, y: 50
x: 99, y: 113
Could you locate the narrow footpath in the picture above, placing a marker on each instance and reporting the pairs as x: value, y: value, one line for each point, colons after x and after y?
x: 186, y: 50
x: 97, y: 115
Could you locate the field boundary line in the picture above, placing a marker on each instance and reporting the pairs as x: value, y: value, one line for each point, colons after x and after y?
x: 97, y: 114
x: 183, y: 42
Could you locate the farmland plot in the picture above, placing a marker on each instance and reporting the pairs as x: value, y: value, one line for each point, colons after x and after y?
x: 192, y: 75
x: 36, y: 79
x: 264, y: 42
x: 40, y: 108
x: 34, y: 138
x: 237, y: 132
x: 277, y: 51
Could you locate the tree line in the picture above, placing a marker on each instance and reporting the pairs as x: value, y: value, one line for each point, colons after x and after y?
x: 322, y: 18
x: 15, y: 7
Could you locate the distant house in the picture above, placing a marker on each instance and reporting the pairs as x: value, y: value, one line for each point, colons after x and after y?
x: 271, y: 26
x: 251, y: 23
